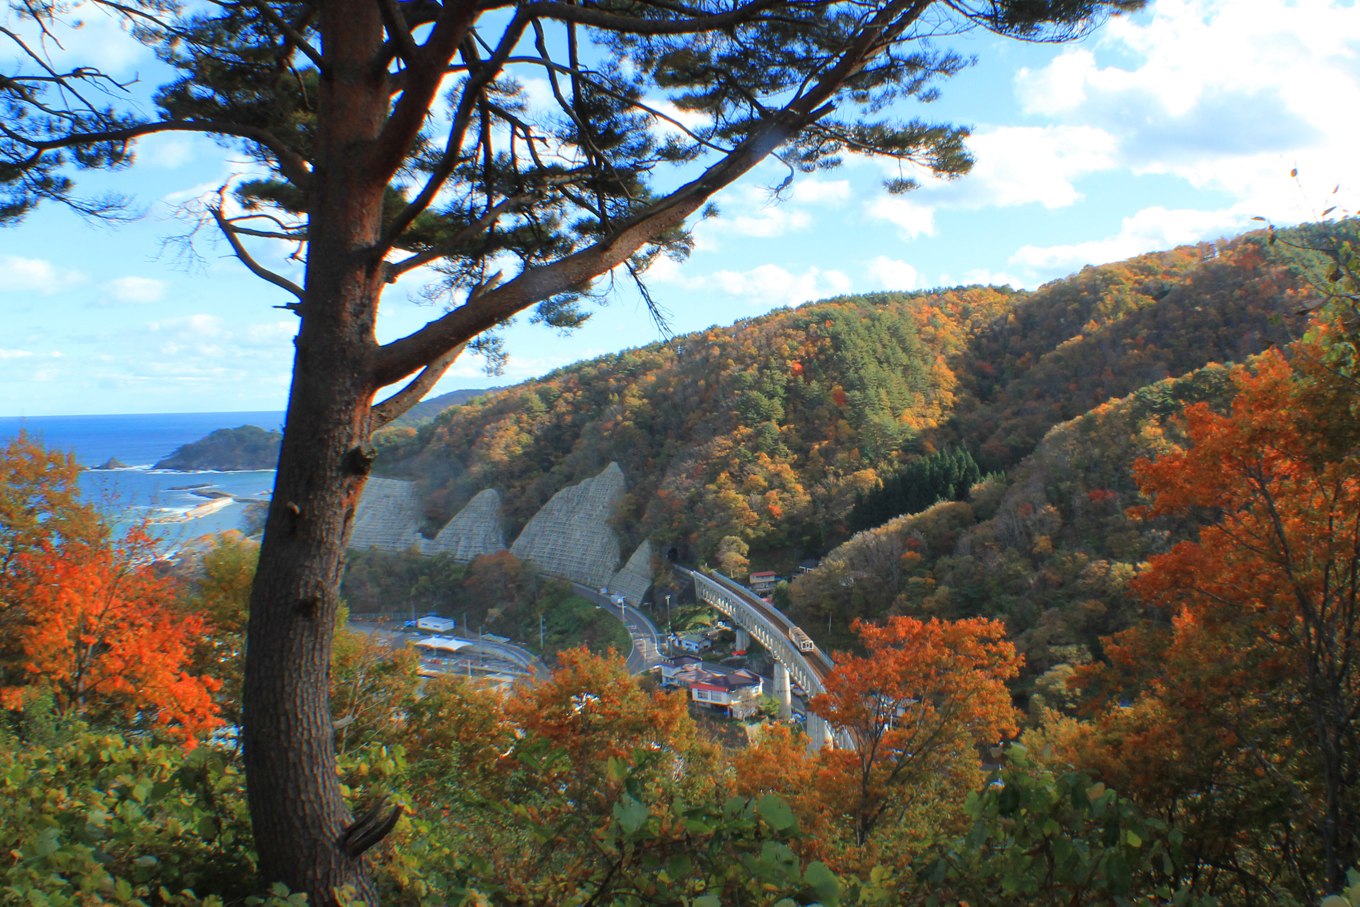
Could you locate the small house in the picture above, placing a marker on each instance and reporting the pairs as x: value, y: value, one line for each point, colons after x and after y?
x: 763, y: 583
x: 734, y: 691
x: 693, y: 642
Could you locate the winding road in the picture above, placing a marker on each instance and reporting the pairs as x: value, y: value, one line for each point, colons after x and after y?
x: 646, y: 652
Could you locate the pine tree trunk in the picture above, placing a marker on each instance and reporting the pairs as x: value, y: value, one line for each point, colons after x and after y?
x: 297, y: 811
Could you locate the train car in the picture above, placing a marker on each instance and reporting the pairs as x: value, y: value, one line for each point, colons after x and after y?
x: 801, y: 640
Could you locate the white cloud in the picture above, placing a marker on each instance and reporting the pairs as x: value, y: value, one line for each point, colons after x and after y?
x: 1018, y: 165
x: 914, y: 219
x: 14, y: 354
x: 210, y: 337
x: 36, y: 274
x: 1148, y: 230
x: 88, y: 36
x: 758, y: 215
x: 689, y: 119
x: 272, y: 334
x: 809, y: 191
x: 1014, y: 165
x: 538, y: 92
x: 135, y: 289
x: 180, y: 196
x: 161, y: 151
x: 764, y: 286
x: 190, y: 327
x: 775, y: 220
x: 987, y: 278
x: 893, y: 274
x: 1228, y: 96
x: 1058, y: 87
x: 755, y: 211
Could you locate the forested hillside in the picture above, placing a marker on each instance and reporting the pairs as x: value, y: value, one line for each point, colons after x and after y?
x: 772, y: 428
x: 1050, y: 552
x: 1158, y: 603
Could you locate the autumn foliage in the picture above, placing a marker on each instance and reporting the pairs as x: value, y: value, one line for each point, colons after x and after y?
x: 594, y: 711
x: 916, y: 705
x: 93, y: 624
x: 40, y: 505
x: 769, y: 429
x: 1242, y: 685
x: 106, y: 640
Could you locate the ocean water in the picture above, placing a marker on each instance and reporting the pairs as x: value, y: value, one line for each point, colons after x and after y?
x: 131, y: 494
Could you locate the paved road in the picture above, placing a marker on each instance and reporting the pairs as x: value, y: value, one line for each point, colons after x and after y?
x: 646, y: 640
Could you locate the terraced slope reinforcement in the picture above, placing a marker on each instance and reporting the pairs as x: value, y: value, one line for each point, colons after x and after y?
x: 477, y: 529
x: 571, y: 536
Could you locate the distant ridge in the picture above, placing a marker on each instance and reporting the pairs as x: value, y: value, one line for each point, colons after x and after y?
x: 771, y: 428
x: 428, y: 409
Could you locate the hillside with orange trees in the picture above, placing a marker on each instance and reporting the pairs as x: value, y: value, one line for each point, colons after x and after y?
x: 770, y: 429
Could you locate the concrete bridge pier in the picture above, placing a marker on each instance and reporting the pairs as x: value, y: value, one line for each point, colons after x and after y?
x: 782, y: 690
x: 819, y: 733
x: 743, y: 639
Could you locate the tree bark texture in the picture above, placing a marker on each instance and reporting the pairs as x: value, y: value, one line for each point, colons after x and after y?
x: 297, y: 810
x: 362, y: 136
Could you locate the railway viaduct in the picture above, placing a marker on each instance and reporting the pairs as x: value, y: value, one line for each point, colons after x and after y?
x: 773, y: 630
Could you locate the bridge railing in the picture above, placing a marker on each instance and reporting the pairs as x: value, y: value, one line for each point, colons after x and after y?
x: 731, y: 603
x: 730, y: 598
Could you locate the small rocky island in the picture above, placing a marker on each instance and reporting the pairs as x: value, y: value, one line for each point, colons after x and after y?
x: 111, y: 463
x: 247, y: 447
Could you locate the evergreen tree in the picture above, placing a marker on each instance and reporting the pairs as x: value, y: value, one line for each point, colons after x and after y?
x: 341, y: 101
x: 945, y: 475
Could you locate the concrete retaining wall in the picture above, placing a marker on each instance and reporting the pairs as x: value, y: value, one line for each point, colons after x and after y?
x: 475, y: 531
x: 571, y: 537
x: 633, y: 581
x: 388, y: 517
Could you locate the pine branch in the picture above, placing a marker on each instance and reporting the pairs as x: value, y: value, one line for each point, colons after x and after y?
x: 254, y: 267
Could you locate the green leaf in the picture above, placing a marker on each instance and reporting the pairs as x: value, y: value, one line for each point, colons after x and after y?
x: 1008, y: 801
x: 680, y: 866
x: 631, y: 814
x: 1119, y: 875
x: 708, y: 900
x: 823, y: 882
x: 776, y: 812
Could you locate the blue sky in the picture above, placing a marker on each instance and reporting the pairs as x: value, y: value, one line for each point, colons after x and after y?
x: 1176, y: 125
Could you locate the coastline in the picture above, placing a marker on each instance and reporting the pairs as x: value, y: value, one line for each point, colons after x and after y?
x: 135, y: 491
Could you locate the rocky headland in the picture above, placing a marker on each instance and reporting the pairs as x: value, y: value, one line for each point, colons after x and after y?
x: 246, y: 447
